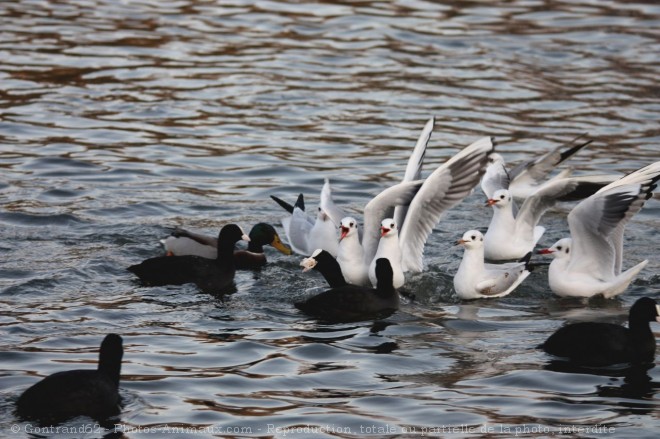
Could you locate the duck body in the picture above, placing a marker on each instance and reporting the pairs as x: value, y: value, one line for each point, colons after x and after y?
x: 353, y: 302
x: 67, y: 394
x: 602, y: 344
x: 210, y: 275
x: 183, y: 242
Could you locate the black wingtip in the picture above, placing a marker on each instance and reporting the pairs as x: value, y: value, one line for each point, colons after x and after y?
x: 286, y: 206
x: 300, y: 202
x: 572, y: 150
x: 526, y: 259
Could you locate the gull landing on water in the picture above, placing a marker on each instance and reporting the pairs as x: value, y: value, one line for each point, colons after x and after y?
x: 306, y: 234
x: 512, y: 236
x: 476, y: 279
x: 526, y: 178
x: 590, y: 262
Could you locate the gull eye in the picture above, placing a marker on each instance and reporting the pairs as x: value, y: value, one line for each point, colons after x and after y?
x: 473, y: 237
x: 392, y: 225
x: 501, y: 197
x: 567, y: 249
x: 351, y: 224
x: 559, y: 247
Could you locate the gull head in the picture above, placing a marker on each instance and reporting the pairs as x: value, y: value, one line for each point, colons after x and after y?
x: 560, y: 249
x: 471, y: 239
x: 501, y: 198
x: 495, y: 158
x: 388, y: 228
x: 348, y: 227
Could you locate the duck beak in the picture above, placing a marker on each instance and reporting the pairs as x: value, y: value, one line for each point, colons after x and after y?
x: 545, y: 251
x: 307, y: 264
x: 344, y: 232
x: 383, y: 231
x: 491, y: 202
x: 245, y: 238
x: 278, y: 244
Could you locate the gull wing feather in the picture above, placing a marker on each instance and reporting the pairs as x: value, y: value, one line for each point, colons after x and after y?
x: 414, y: 167
x: 538, y: 170
x: 328, y: 205
x: 565, y: 189
x: 597, y: 223
x: 447, y: 186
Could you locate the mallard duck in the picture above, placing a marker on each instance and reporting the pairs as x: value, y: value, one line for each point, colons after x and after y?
x: 210, y: 275
x: 183, y: 242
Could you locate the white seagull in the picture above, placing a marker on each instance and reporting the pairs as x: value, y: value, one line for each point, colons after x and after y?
x: 590, y: 261
x: 388, y: 248
x: 512, y: 236
x: 306, y: 234
x: 476, y: 279
x: 526, y: 178
x: 445, y: 187
x: 351, y: 255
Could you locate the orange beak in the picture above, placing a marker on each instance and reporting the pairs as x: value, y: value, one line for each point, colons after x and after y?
x: 461, y: 241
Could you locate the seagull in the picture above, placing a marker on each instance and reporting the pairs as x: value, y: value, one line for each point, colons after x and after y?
x: 526, y: 178
x: 512, y: 236
x: 589, y: 263
x: 475, y: 279
x: 306, y: 234
x: 445, y: 187
x: 351, y: 254
x: 389, y: 248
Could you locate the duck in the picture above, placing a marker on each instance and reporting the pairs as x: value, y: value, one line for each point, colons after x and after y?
x: 323, y: 262
x: 476, y: 279
x: 210, y: 275
x: 349, y: 303
x: 526, y: 178
x: 600, y: 344
x: 589, y: 262
x: 86, y: 392
x: 183, y: 242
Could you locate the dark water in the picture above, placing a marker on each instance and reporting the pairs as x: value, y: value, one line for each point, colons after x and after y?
x: 120, y: 120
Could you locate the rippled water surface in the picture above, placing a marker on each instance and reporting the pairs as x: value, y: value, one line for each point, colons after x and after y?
x: 122, y: 119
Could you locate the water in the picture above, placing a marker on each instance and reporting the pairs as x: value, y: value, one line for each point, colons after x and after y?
x: 120, y: 120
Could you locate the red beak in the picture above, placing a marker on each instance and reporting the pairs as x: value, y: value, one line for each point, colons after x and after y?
x: 383, y: 231
x: 344, y: 232
x: 545, y: 251
x: 491, y: 201
x: 461, y: 241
